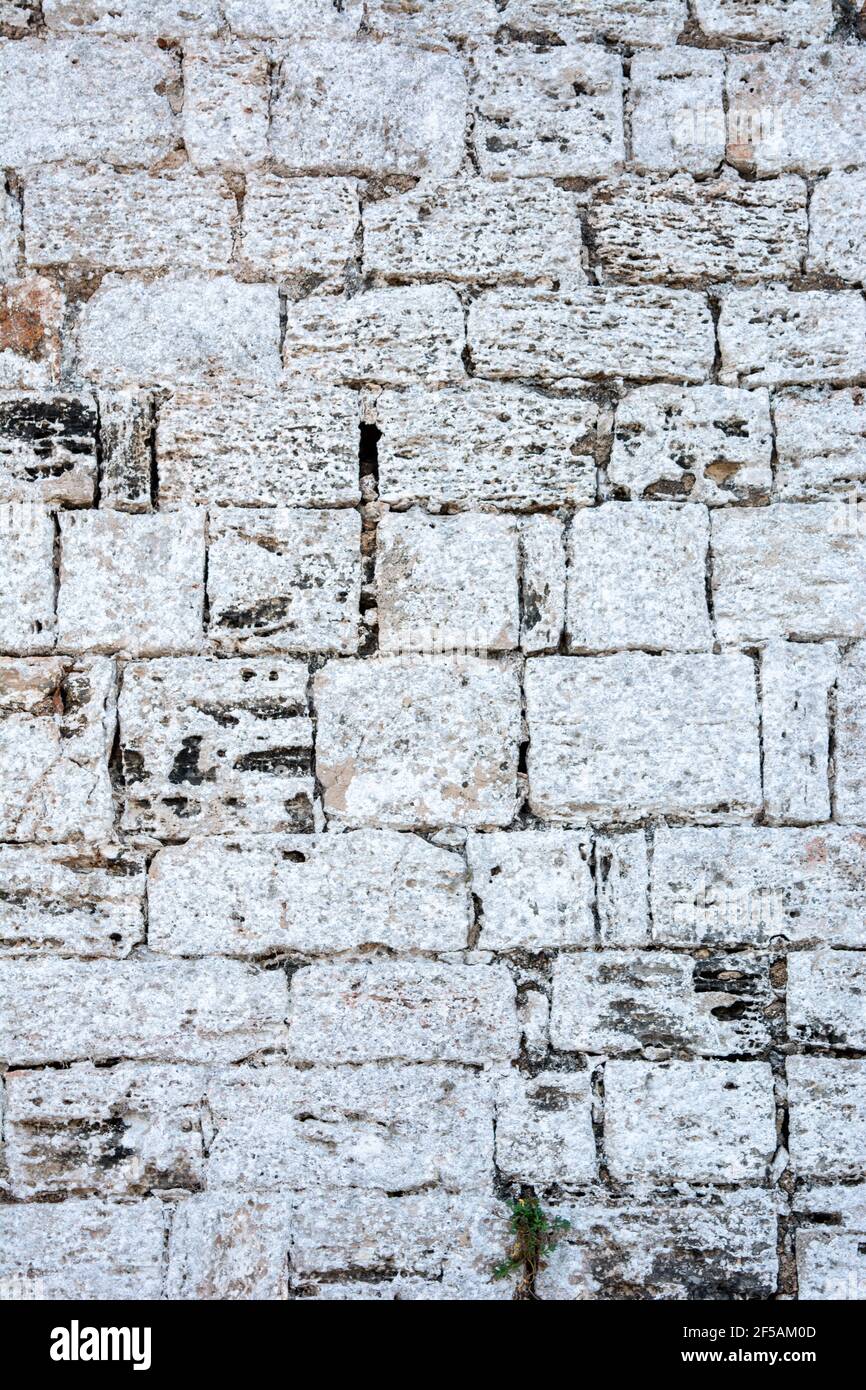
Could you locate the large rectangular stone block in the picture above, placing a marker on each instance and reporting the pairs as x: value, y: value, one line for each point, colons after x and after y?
x: 27, y: 582
x: 827, y: 1100
x: 837, y: 235
x: 231, y: 1247
x: 85, y: 1249
x: 796, y: 683
x: 631, y: 22
x: 821, y: 446
x: 226, y: 105
x: 165, y: 19
x: 676, y: 105
x: 535, y: 890
x: 299, y: 227
x: 791, y: 21
x: 773, y: 336
x: 825, y: 998
x: 544, y: 1129
x: 47, y: 448
x: 66, y: 900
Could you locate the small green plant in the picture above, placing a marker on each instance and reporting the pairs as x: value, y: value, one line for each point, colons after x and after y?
x: 535, y: 1235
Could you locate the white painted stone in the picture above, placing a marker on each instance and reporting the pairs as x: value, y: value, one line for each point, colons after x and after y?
x: 85, y: 1250
x: 821, y: 446
x: 31, y: 318
x: 831, y: 1265
x: 837, y: 226
x: 27, y: 584
x: 792, y: 21
x: 226, y: 105
x: 135, y: 19
x: 850, y: 804
x: 230, y: 1247
x: 535, y: 890
x: 622, y: 888
x: 65, y: 900
x: 825, y: 997
x: 827, y: 1100
x: 294, y: 227
x: 543, y: 583
x: 796, y: 680
x: 631, y: 22
x: 544, y: 1128
x: 293, y: 19
x: 773, y: 336
x: 677, y: 116
x: 47, y: 448
x: 833, y: 1204
x: 434, y: 21
x: 126, y: 438
x: 10, y: 227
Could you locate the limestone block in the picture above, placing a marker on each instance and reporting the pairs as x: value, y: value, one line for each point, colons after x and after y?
x: 850, y: 746
x: 85, y: 1249
x: 544, y: 1128
x: 677, y: 112
x: 792, y: 21
x: 27, y: 581
x: 230, y: 1247
x: 31, y: 317
x: 796, y: 681
x: 773, y: 336
x: 543, y: 583
x: 65, y: 900
x: 47, y: 448
x: 827, y: 1099
x: 535, y: 890
x: 821, y: 446
x: 226, y: 105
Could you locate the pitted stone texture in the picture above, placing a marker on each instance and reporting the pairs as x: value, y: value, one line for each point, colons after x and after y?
x: 386, y: 336
x: 773, y: 336
x: 851, y: 737
x: 535, y: 889
x: 64, y: 900
x: 622, y: 888
x: 684, y: 231
x: 85, y: 1249
x: 433, y: 21
x: 109, y: 1131
x: 31, y: 317
x: 166, y: 19
x: 307, y: 893
x: 542, y: 567
x: 708, y: 444
x: 486, y: 445
x: 475, y: 230
x: 179, y: 329
x: 225, y: 106
x: 637, y: 578
x: 294, y: 227
x: 10, y: 226
x: 611, y: 1002
x: 391, y: 1127
x: 544, y: 1128
x: 832, y: 1204
x: 592, y: 332
x: 210, y: 747
x: 628, y: 736
x: 751, y: 885
x: 797, y: 22
x: 447, y: 583
x: 27, y: 583
x: 96, y: 1010
x: 786, y: 571
x: 553, y: 113
x: 831, y: 1266
x: 258, y: 448
x: 796, y: 681
x: 84, y: 98
x: 698, y: 1121
x: 631, y: 22
x: 47, y: 448
x: 57, y: 722
x: 418, y: 1011
x: 343, y: 108
x: 825, y: 997
x: 416, y: 744
x: 230, y: 1247
x: 797, y: 110
x: 131, y: 583
x: 827, y: 1102
x: 821, y: 444
x: 677, y: 116
x: 284, y: 580
x: 293, y: 19
x: 689, y: 1245
x: 125, y: 436
x: 533, y: 1011
x: 837, y: 222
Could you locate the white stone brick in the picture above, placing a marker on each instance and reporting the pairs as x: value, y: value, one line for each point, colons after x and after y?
x: 486, y: 445
x: 827, y: 1100
x: 213, y: 747
x: 628, y: 736
x: 307, y: 893
x: 542, y: 570
x: 535, y: 890
x: 434, y: 21
x: 786, y: 571
x: 700, y: 1121
x: 434, y: 743
x: 226, y: 105
x: 31, y: 316
x: 773, y: 336
x: 447, y: 583
x: 851, y: 737
x: 592, y: 332
x: 544, y: 1128
x: 473, y: 229
x: 85, y: 1249
x: 27, y: 584
x: 180, y: 329
x: 831, y: 1265
x: 837, y: 226
x: 554, y: 112
x: 64, y: 900
x: 833, y: 1204
x: 293, y: 19
x: 167, y: 19
x: 131, y: 583
x: 677, y: 116
x: 825, y: 998
x: 702, y: 444
x: 126, y: 437
x: 533, y: 1011
x: 792, y: 21
x: 96, y: 1010
x: 637, y: 578
x: 622, y: 888
x: 17, y: 17
x: 294, y: 227
x: 821, y: 445
x: 631, y: 22
x: 385, y: 336
x: 284, y: 580
x: 418, y: 1011
x: 47, y: 448
x: 230, y: 1247
x: 10, y: 226
x: 796, y: 680
x: 344, y: 108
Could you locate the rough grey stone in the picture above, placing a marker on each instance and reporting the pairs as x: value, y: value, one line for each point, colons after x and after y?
x: 821, y: 445
x: 226, y: 107
x: 793, y: 21
x: 543, y: 583
x: 47, y: 448
x: 837, y: 226
x: 544, y: 1128
x: 27, y: 582
x: 773, y: 336
x: 677, y: 115
x: 796, y: 681
x: 230, y: 1247
x: 294, y: 227
x: 827, y: 1100
x: 66, y: 900
x: 825, y: 998
x: 85, y: 1249
x: 850, y: 803
x: 622, y: 888
x: 831, y: 1265
x: 535, y: 890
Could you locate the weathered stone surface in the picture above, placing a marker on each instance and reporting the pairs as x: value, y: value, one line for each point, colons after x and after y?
x: 307, y: 893
x: 131, y: 584
x: 387, y: 336
x: 831, y: 1204
x: 126, y: 439
x: 803, y: 21
x: 637, y: 578
x: 447, y: 583
x: 294, y: 227
x: 85, y: 1249
x: 358, y: 109
x: 700, y: 1121
x: 831, y: 1265
x: 293, y: 19
x: 622, y: 888
x: 677, y: 116
x: 419, y: 1011
x: 544, y: 1128
x: 260, y: 448
x: 230, y: 1247
x: 553, y: 112
x: 786, y: 571
x: 850, y: 744
x: 31, y: 315
x: 773, y: 336
x: 684, y: 231
x: 486, y: 445
x: 825, y: 998
x: 210, y: 747
x: 225, y: 105
x: 702, y: 444
x: 535, y: 890
x: 195, y: 1011
x: 473, y: 229
x: 543, y: 583
x: 27, y: 582
x: 533, y: 1011
x: 796, y: 680
x: 631, y: 22
x: 434, y: 21
x: 61, y: 900
x: 284, y: 580
x: 10, y: 226
x: 84, y: 98
x: 424, y: 744
x: 821, y: 445
x: 57, y: 722
x: 179, y: 329
x: 47, y: 448
x: 168, y: 19
x: 837, y: 226
x: 613, y: 1002
x: 827, y: 1100
x: 592, y: 332
x: 623, y: 737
